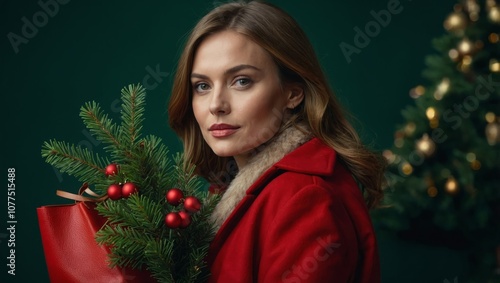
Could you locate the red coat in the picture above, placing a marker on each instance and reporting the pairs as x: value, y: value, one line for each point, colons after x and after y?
x: 303, y: 220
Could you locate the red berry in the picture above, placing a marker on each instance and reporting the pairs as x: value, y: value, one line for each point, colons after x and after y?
x: 111, y: 169
x: 115, y: 192
x: 192, y: 204
x: 185, y: 219
x: 128, y: 189
x: 173, y: 220
x: 174, y: 196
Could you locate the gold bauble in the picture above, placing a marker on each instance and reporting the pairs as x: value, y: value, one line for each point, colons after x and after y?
x: 410, y: 128
x: 455, y: 22
x: 493, y: 133
x: 453, y: 53
x: 425, y: 145
x: 432, y: 191
x: 406, y: 168
x: 471, y: 156
x: 417, y: 91
x: 464, y: 65
x: 465, y: 46
x: 433, y: 117
x: 490, y: 117
x: 473, y: 9
x: 467, y: 60
x: 451, y: 186
x: 399, y: 139
x: 494, y: 14
x: 442, y: 88
x: 494, y: 66
x: 431, y: 113
x: 475, y: 165
x: 493, y: 37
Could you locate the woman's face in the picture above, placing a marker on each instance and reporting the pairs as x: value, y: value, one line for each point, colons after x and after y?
x: 238, y: 100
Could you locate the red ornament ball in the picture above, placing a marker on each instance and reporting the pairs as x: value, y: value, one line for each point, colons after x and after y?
x: 174, y: 196
x: 173, y: 220
x: 192, y: 204
x: 111, y: 169
x: 128, y: 189
x: 185, y: 219
x: 115, y: 192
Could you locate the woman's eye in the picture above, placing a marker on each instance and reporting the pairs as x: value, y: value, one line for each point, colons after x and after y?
x: 243, y: 82
x: 200, y: 87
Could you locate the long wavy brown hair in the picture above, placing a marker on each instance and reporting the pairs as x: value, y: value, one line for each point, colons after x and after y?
x: 280, y: 35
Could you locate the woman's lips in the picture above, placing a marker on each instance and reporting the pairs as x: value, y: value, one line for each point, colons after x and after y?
x: 222, y: 130
x: 222, y: 133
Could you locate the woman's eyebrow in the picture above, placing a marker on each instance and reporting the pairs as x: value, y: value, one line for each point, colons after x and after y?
x: 239, y: 68
x: 200, y: 76
x: 228, y: 71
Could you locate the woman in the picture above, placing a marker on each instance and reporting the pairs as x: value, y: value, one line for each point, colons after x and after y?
x: 257, y: 118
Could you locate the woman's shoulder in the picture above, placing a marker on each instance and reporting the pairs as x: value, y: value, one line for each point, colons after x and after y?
x: 326, y: 182
x: 313, y: 157
x: 337, y: 183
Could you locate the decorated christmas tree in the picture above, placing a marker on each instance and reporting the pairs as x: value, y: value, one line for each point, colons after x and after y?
x: 444, y: 170
x: 157, y: 215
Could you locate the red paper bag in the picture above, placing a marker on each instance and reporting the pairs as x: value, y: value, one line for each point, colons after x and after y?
x: 71, y: 251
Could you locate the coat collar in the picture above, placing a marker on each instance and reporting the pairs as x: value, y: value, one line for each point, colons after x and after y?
x: 312, y: 158
x: 320, y: 159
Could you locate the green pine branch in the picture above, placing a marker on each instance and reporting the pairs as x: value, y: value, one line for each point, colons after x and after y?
x: 119, y: 213
x: 150, y: 167
x: 147, y: 212
x: 104, y: 129
x: 132, y: 112
x: 197, y: 271
x: 126, y: 244
x: 159, y: 165
x: 159, y: 257
x: 75, y: 160
x: 184, y: 175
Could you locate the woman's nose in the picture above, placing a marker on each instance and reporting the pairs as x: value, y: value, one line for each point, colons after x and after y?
x: 219, y: 104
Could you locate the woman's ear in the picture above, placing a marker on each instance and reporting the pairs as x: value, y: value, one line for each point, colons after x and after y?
x: 295, y: 95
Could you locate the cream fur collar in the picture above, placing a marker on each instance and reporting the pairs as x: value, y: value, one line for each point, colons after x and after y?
x: 272, y: 152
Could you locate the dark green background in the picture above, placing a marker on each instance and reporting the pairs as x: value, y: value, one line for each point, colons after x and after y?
x: 89, y: 50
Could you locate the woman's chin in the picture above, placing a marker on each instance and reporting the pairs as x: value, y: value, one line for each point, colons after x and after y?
x: 223, y: 153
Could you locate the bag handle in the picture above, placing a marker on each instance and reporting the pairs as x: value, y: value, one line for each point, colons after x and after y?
x: 80, y: 196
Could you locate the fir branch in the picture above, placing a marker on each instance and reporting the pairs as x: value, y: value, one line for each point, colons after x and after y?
x: 117, y: 212
x: 99, y: 123
x: 197, y: 240
x: 155, y: 167
x: 75, y: 160
x: 159, y: 258
x: 204, y: 231
x: 133, y: 104
x: 184, y: 175
x: 198, y: 270
x: 103, y: 128
x: 127, y: 245
x: 146, y: 212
